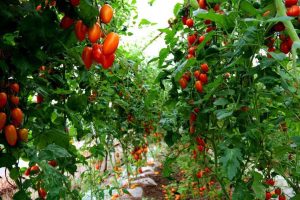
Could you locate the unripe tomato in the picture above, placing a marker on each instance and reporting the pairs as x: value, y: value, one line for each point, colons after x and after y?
x: 42, y: 193
x: 17, y: 116
x: 190, y: 22
x: 203, y: 78
x: 97, y: 53
x: 192, y: 39
x: 94, y: 33
x: 111, y: 43
x: 75, y: 2
x: 198, y: 86
x: 66, y: 22
x: 15, y: 87
x: 108, y: 61
x: 289, y: 3
x: 11, y: 135
x: 183, y: 83
x: 23, y: 134
x: 80, y: 30
x: 3, y: 99
x: 202, y: 4
x: 204, y: 67
x: 3, y: 118
x: 293, y: 11
x: 14, y: 100
x: 87, y: 57
x: 106, y: 13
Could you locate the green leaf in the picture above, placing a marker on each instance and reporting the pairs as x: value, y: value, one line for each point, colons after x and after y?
x: 257, y: 186
x: 194, y: 4
x: 279, y: 19
x: 248, y: 7
x: 231, y: 161
x: 14, y: 173
x: 52, y: 152
x: 167, y: 170
x: 296, y: 140
x: 176, y: 9
x: 221, y: 102
x: 6, y: 160
x: 88, y: 12
x: 163, y: 54
x: 145, y: 22
x: 223, y: 113
x: 296, y: 197
x: 21, y: 195
x: 77, y: 102
x: 183, y: 67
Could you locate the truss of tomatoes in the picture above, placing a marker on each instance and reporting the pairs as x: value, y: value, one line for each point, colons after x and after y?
x: 11, y: 116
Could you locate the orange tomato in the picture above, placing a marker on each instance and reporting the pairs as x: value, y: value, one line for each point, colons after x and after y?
x: 111, y: 43
x: 198, y: 86
x: 94, y: 33
x: 3, y: 99
x: 17, y: 116
x: 23, y: 134
x: 14, y: 100
x: 106, y: 13
x: 11, y: 135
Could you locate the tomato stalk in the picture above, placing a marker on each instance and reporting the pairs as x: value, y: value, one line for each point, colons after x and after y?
x: 281, y: 12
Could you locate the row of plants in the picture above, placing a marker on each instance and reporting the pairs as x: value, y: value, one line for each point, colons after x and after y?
x: 232, y: 119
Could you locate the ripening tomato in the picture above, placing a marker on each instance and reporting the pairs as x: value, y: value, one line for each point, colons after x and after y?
x: 203, y: 78
x: 94, y: 33
x: 97, y: 166
x: 14, y: 100
x: 87, y: 57
x: 108, y: 61
x: 204, y: 67
x: 190, y: 22
x: 198, y: 86
x: 3, y: 118
x: 110, y: 43
x: 23, y: 134
x: 42, y: 193
x: 11, y: 135
x: 281, y: 197
x: 15, y: 87
x: 278, y: 191
x: 106, y: 13
x: 289, y: 3
x: 293, y: 11
x: 192, y: 39
x: 183, y: 83
x: 202, y: 4
x: 3, y: 99
x: 17, y: 116
x: 196, y: 74
x: 66, y: 22
x: 97, y: 53
x: 80, y: 30
x: 75, y: 2
x: 201, y: 38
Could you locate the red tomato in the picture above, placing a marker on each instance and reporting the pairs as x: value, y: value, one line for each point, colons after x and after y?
x: 209, y: 29
x: 193, y: 117
x: 203, y: 78
x: 190, y: 22
x: 3, y: 118
x: 196, y: 110
x: 196, y: 74
x: 198, y: 86
x: 27, y: 172
x: 97, y: 53
x: 183, y: 83
x: 53, y: 163
x: 34, y: 169
x: 270, y: 182
x: 268, y: 195
x: 200, y: 148
x: 204, y: 67
x: 94, y: 33
x: 200, y: 174
x: 42, y: 193
x: 192, y: 39
x: 201, y: 38
x: 75, y: 2
x: 11, y: 135
x: 39, y: 98
x: 14, y: 100
x: 3, y: 99
x: 207, y: 21
x: 110, y: 43
x: 192, y: 129
x: 279, y: 27
x: 184, y: 18
x: 289, y: 3
x: 106, y: 13
x: 17, y: 116
x: 80, y: 30
x: 217, y: 7
x: 270, y: 42
x: 200, y: 141
x: 87, y: 57
x: 202, y: 4
x: 108, y: 61
x: 278, y: 191
x: 192, y: 50
x: 284, y: 47
x: 189, y: 56
x: 66, y: 22
x: 281, y: 197
x: 15, y: 87
x: 293, y: 11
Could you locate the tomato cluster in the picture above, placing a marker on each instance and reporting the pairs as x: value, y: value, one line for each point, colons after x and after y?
x: 138, y: 151
x: 9, y: 102
x: 103, y: 54
x: 293, y: 9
